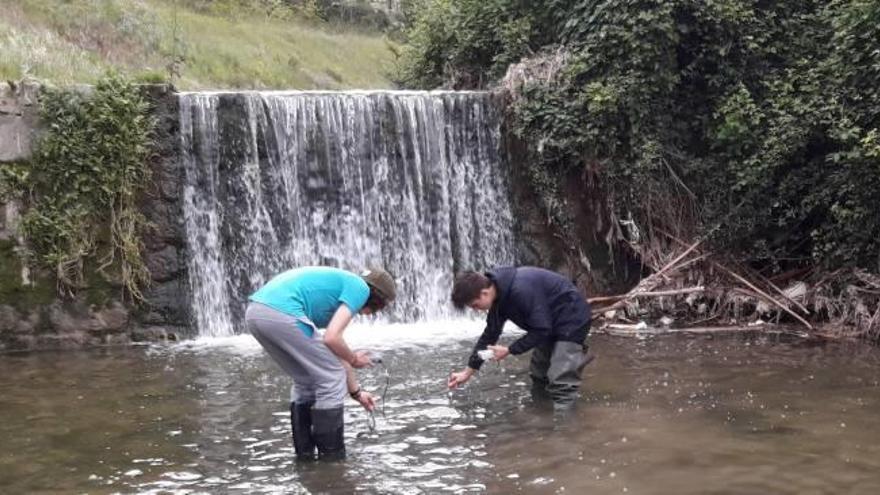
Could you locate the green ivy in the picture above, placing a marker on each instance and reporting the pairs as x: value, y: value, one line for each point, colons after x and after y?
x: 763, y: 116
x: 82, y: 185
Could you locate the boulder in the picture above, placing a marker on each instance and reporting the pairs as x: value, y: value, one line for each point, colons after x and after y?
x: 153, y: 334
x: 164, y: 264
x: 113, y: 319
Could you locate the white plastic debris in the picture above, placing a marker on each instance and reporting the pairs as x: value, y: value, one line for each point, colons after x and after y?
x: 796, y: 291
x: 486, y: 354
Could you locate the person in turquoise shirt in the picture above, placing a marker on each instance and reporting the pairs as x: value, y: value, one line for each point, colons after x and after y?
x: 286, y: 315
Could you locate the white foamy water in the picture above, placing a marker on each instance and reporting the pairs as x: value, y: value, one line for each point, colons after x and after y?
x: 370, y: 336
x: 415, y: 182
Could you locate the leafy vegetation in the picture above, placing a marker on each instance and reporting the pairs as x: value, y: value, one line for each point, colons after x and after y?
x: 81, y: 187
x: 196, y: 44
x: 752, y: 123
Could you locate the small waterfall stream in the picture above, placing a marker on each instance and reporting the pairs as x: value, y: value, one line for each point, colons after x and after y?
x: 412, y: 181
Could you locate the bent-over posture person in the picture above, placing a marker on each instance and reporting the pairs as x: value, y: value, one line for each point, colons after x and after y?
x: 548, y: 306
x: 285, y: 315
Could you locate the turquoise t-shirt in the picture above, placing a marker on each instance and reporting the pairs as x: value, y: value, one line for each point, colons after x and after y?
x: 313, y: 293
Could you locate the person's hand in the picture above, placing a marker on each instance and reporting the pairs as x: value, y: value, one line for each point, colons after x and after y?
x: 366, y: 400
x: 361, y: 360
x: 456, y: 379
x: 500, y: 351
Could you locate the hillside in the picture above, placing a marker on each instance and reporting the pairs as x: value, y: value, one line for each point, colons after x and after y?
x: 77, y: 41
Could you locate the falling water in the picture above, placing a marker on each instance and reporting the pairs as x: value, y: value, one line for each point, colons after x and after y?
x: 412, y: 181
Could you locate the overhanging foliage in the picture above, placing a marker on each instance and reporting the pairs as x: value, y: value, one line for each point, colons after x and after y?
x: 758, y: 120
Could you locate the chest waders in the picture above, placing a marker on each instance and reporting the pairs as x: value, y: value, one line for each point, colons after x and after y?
x: 556, y: 369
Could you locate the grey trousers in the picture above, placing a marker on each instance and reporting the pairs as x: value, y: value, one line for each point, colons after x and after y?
x: 556, y: 367
x: 318, y: 375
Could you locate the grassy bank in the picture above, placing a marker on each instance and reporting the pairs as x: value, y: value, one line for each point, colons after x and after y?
x: 76, y: 41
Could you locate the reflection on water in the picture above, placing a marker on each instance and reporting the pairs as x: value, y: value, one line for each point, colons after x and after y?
x: 660, y: 415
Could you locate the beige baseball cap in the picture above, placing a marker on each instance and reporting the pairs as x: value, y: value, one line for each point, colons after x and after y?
x: 382, y: 282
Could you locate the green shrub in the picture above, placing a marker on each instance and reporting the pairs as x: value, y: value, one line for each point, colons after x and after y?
x: 83, y: 183
x: 758, y: 119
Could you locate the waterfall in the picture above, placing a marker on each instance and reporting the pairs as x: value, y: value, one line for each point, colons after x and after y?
x: 414, y: 182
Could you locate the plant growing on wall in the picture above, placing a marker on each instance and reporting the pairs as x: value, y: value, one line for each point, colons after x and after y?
x: 82, y: 185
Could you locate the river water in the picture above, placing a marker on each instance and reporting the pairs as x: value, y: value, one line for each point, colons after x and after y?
x: 707, y: 415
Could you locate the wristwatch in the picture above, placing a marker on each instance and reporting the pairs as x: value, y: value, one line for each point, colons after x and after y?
x: 357, y: 393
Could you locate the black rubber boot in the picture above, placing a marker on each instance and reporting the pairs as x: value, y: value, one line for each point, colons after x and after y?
x: 538, y: 389
x: 301, y: 428
x: 328, y: 432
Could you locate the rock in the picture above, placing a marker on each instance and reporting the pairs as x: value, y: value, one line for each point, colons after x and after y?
x: 19, y: 342
x: 165, y: 264
x: 167, y: 223
x: 147, y: 334
x: 72, y: 340
x: 18, y: 120
x: 74, y: 318
x: 167, y: 182
x: 116, y: 339
x: 168, y: 304
x: 29, y: 324
x: 152, y: 334
x: 113, y: 319
x: 9, y: 319
x: 64, y: 321
x: 29, y: 92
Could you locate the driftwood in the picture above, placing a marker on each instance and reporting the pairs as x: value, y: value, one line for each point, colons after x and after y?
x: 763, y: 294
x: 644, y: 288
x: 656, y: 293
x: 791, y: 274
x: 841, y: 303
x: 602, y: 299
x: 748, y: 284
x: 633, y: 330
x: 784, y: 295
x: 639, y: 328
x: 678, y: 258
x: 639, y: 289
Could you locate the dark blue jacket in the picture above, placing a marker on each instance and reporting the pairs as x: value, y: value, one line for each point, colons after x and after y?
x: 543, y: 303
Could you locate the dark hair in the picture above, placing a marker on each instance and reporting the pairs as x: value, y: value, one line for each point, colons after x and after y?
x: 375, y: 302
x: 467, y: 287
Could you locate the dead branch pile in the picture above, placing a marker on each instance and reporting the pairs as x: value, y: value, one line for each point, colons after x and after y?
x: 691, y: 286
x: 541, y: 68
x: 849, y: 300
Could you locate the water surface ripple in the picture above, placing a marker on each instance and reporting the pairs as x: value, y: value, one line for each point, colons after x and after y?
x: 659, y: 415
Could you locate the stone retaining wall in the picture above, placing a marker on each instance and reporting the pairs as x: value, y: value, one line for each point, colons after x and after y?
x: 19, y: 115
x: 31, y: 314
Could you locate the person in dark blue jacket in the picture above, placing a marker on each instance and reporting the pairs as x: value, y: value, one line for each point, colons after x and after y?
x: 551, y: 310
